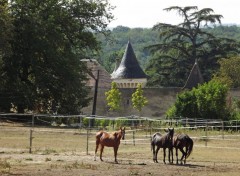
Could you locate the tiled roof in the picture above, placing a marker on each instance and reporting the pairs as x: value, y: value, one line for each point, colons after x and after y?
x: 104, y: 76
x: 129, y: 66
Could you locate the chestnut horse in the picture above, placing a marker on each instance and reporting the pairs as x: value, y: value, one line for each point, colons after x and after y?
x: 179, y: 142
x: 162, y: 141
x: 109, y: 140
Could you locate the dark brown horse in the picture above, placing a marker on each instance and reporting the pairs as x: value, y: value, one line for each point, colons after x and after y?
x: 180, y: 142
x: 162, y: 141
x: 109, y: 140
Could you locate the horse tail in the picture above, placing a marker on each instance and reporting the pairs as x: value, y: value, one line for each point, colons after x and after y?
x: 151, y: 143
x: 98, y: 136
x: 190, y: 142
x: 152, y: 140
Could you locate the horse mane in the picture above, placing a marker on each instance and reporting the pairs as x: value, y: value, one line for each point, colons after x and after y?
x: 156, y: 134
x: 182, y: 136
x: 116, y: 134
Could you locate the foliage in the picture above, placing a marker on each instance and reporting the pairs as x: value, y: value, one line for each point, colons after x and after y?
x: 110, y: 61
x: 207, y: 101
x: 161, y: 73
x: 113, y: 97
x: 101, y: 122
x: 235, y: 109
x: 114, y: 45
x: 5, y: 30
x: 108, y: 123
x: 229, y: 72
x: 181, y: 45
x: 184, y: 106
x: 138, y: 100
x: 50, y: 38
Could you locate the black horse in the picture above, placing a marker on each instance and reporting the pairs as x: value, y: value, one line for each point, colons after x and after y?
x: 162, y: 141
x: 180, y: 142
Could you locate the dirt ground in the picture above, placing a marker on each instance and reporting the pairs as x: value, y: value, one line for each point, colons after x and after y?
x: 134, y: 163
x: 58, y: 158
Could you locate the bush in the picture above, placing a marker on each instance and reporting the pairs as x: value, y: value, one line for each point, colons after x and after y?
x: 207, y: 101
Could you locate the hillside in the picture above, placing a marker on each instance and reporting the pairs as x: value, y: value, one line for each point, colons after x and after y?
x: 114, y: 45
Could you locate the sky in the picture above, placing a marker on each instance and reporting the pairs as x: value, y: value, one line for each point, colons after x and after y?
x: 147, y: 13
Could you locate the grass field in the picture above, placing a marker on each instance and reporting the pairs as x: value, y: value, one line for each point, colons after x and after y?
x: 58, y: 152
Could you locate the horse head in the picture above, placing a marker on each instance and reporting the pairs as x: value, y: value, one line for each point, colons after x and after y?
x: 123, y: 132
x: 170, y: 133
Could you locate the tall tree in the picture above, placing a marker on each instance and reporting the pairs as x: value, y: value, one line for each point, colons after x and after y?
x: 50, y: 39
x: 138, y: 100
x: 187, y: 42
x: 6, y: 35
x: 113, y: 97
x: 5, y: 29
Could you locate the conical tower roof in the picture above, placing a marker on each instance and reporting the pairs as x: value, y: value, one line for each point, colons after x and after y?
x: 194, y: 78
x: 129, y: 67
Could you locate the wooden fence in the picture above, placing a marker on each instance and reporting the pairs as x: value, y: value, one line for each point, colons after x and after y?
x: 140, y: 129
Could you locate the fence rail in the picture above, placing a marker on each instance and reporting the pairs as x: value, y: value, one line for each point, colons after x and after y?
x: 139, y: 130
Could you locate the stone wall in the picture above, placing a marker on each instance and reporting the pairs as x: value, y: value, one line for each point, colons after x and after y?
x: 159, y: 100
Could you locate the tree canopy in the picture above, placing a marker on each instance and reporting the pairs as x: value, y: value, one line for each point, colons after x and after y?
x: 138, y: 100
x: 113, y: 47
x: 113, y: 97
x: 50, y: 37
x: 183, y: 44
x: 229, y: 72
x: 5, y: 29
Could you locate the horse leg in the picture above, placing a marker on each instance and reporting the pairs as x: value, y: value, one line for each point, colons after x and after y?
x: 156, y: 153
x: 154, y: 157
x: 185, y: 158
x: 115, y: 153
x: 97, y: 144
x: 170, y: 155
x: 164, y: 155
x: 183, y: 154
x: 101, y: 150
x: 177, y: 155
